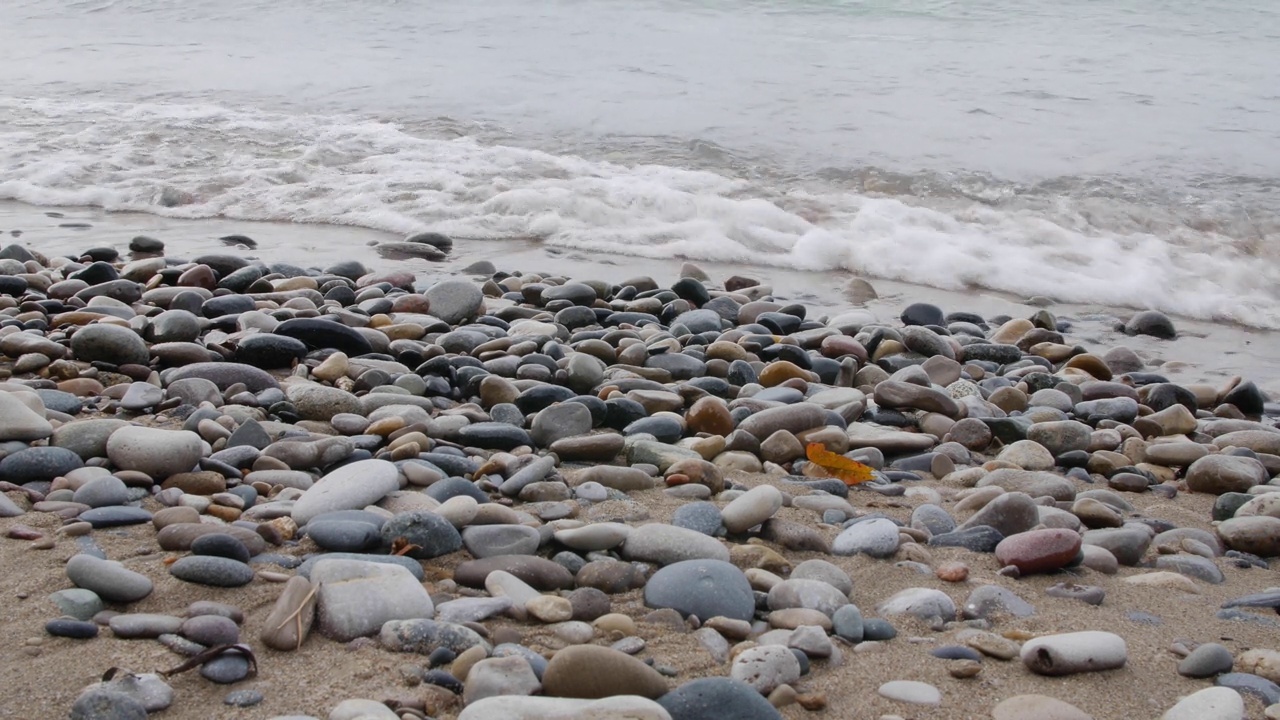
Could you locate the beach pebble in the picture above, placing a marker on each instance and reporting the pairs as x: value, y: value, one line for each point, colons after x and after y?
x: 357, y: 598
x: 1039, y: 550
x: 212, y: 570
x: 713, y: 698
x: 1076, y: 652
x: 923, y: 603
x: 1037, y: 707
x: 591, y: 671
x: 104, y: 704
x: 631, y: 707
x: 19, y: 422
x: 751, y: 508
x: 911, y: 691
x: 1213, y: 703
x: 500, y: 676
x: 350, y: 487
x: 766, y: 667
x: 110, y: 580
x: 1207, y: 660
x: 153, y: 451
x: 77, y: 603
x: 877, y: 538
x: 422, y: 636
x: 703, y: 588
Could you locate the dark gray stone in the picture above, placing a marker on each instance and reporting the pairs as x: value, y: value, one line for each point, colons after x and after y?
x: 433, y: 535
x: 212, y: 570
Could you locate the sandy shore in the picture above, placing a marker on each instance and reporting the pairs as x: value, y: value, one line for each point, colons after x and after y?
x: 43, y: 675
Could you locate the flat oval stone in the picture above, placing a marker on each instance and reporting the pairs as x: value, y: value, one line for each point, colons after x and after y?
x: 111, y: 581
x: 69, y: 628
x: 1077, y: 652
x: 911, y: 691
x: 220, y: 545
x: 714, y: 698
x: 591, y: 671
x: 317, y: 333
x: 1039, y: 550
x: 211, y: 570
x: 115, y: 516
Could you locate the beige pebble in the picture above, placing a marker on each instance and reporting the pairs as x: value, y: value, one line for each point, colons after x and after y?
x: 549, y: 608
x: 270, y: 576
x: 615, y: 622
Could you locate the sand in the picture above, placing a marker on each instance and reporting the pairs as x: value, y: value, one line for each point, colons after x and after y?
x: 43, y: 675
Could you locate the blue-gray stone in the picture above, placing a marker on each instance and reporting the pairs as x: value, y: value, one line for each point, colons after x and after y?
x: 115, y: 516
x: 878, y: 629
x: 104, y: 704
x: 494, y: 436
x: 1247, y: 684
x: 220, y: 545
x: 847, y: 623
x: 932, y: 518
x: 212, y: 570
x: 702, y: 516
x: 77, y: 603
x: 715, y: 698
x: 1206, y: 660
x: 956, y: 652
x: 453, y: 487
x: 243, y: 698
x: 1201, y: 568
x: 226, y: 668
x: 71, y: 628
x: 344, y: 535
x: 703, y: 588
x: 59, y: 401
x: 980, y: 538
x: 38, y: 464
x: 665, y: 429
x: 102, y: 492
x: 989, y: 600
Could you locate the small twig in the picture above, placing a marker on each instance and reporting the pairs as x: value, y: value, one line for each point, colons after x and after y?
x: 296, y: 615
x: 213, y: 653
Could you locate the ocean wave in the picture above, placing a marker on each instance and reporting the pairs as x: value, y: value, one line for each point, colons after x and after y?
x: 1081, y: 240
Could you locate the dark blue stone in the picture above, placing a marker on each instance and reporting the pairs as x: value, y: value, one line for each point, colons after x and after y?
x: 115, y: 516
x: 716, y: 698
x: 981, y: 538
x: 453, y: 487
x: 38, y: 464
x: 325, y: 334
x: 75, y: 629
x: 496, y: 436
x: 269, y: 351
x: 956, y: 652
x: 220, y: 545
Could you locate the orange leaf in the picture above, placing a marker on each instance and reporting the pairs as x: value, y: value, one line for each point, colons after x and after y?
x: 851, y: 472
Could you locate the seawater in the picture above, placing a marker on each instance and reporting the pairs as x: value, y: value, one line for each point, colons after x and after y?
x: 1120, y: 152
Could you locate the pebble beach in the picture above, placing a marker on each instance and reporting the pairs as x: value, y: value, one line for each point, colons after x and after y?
x: 389, y: 478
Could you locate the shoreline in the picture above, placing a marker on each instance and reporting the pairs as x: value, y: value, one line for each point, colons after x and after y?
x: 1204, y: 350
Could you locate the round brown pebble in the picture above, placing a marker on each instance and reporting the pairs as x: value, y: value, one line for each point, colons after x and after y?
x: 964, y: 668
x: 953, y: 572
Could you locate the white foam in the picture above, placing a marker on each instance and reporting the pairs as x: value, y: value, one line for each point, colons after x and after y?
x: 191, y: 161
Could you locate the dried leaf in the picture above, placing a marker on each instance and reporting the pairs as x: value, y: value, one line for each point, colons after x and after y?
x: 401, y: 546
x: 851, y: 472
